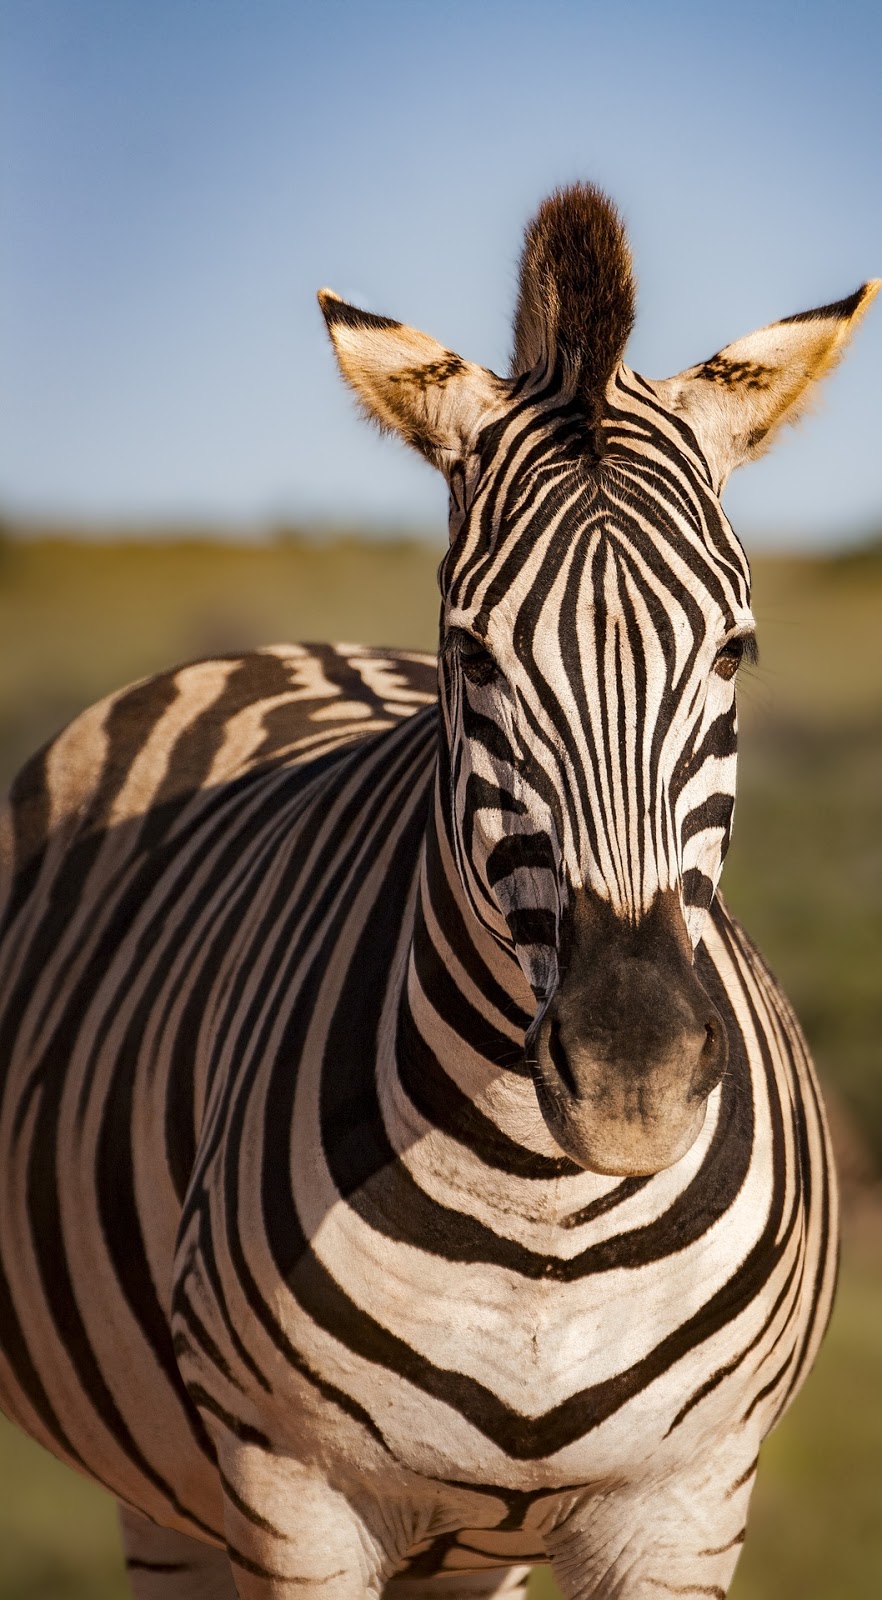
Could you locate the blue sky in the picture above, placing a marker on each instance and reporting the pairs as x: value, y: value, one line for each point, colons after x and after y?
x: 177, y: 177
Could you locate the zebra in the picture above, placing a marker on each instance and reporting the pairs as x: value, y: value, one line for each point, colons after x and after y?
x: 411, y: 1172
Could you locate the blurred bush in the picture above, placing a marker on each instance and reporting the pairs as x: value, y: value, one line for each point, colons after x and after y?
x: 79, y: 618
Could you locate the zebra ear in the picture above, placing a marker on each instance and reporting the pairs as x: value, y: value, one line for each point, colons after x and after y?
x: 411, y: 385
x: 735, y: 402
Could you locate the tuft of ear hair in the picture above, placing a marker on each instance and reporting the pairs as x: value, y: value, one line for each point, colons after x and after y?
x: 575, y: 306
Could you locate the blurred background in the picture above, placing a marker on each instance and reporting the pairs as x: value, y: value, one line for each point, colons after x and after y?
x: 182, y: 472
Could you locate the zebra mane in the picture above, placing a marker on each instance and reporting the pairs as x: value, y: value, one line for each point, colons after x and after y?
x: 576, y: 295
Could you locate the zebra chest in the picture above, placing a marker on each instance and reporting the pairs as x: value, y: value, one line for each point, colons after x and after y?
x: 463, y: 1369
x: 384, y: 1315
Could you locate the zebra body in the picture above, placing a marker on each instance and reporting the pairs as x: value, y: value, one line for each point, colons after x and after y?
x: 565, y: 1244
x: 336, y: 1239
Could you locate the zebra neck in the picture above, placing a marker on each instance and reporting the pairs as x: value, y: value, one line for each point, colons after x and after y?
x: 463, y: 1010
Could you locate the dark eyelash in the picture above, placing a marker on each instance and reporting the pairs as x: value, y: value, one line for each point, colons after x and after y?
x: 743, y: 647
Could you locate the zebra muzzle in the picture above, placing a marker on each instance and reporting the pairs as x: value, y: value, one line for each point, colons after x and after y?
x: 630, y: 1047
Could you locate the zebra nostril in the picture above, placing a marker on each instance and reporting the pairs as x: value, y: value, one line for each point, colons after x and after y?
x: 561, y: 1060
x: 714, y: 1054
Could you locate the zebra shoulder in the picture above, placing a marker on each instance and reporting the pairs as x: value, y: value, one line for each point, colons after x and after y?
x: 162, y: 740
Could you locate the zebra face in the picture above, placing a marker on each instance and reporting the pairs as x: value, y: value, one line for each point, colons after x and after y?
x: 591, y: 640
x: 596, y: 606
x: 589, y: 698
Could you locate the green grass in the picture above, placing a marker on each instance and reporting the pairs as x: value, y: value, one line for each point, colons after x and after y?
x: 58, y: 1534
x: 804, y: 875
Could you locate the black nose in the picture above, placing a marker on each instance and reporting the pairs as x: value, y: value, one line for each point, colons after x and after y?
x: 639, y: 1017
x: 630, y: 999
x: 629, y: 1047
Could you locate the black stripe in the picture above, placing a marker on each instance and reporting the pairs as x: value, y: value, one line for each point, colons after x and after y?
x: 337, y: 311
x: 138, y: 1564
x: 840, y: 309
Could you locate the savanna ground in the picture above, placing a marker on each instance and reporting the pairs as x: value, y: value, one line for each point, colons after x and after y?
x: 804, y: 875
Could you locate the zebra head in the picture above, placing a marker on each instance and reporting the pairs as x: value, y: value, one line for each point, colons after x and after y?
x: 596, y: 608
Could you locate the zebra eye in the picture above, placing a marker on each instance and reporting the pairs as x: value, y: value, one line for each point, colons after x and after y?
x: 733, y: 652
x: 477, y: 662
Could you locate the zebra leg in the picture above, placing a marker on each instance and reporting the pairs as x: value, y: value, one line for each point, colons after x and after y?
x: 291, y: 1534
x: 164, y: 1565
x: 682, y: 1537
